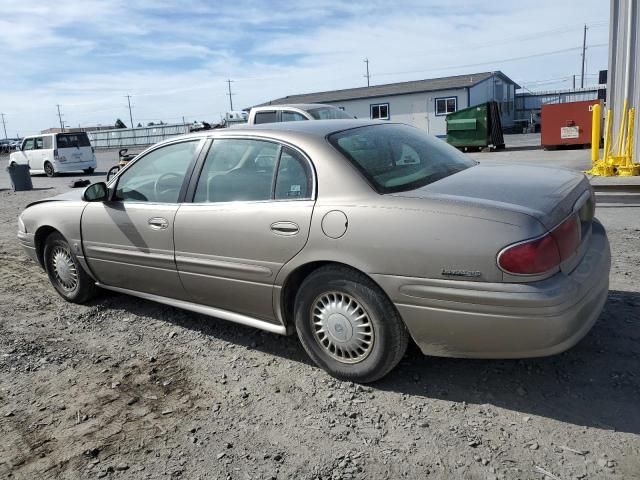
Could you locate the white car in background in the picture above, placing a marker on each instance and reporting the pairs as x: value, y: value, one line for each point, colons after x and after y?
x: 54, y: 153
x: 294, y: 112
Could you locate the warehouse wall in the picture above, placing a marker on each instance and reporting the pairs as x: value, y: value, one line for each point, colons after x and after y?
x: 417, y: 109
x: 624, y: 65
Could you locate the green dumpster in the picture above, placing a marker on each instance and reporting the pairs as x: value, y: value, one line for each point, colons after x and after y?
x: 476, y: 127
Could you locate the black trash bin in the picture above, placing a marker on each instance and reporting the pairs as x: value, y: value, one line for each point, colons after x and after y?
x: 20, y: 177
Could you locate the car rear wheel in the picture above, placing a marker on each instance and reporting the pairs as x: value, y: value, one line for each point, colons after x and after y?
x: 348, y: 326
x: 65, y: 272
x: 48, y: 169
x: 89, y: 170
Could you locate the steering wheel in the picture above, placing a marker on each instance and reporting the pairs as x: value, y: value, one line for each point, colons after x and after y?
x: 158, y: 190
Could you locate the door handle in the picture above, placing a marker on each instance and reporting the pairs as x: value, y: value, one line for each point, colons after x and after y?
x: 285, y: 228
x: 158, y: 223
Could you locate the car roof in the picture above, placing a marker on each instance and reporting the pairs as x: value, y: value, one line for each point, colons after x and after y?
x: 315, y: 128
x: 300, y: 106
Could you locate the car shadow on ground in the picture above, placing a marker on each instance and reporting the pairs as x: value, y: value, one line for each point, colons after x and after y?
x: 595, y: 384
x: 79, y: 173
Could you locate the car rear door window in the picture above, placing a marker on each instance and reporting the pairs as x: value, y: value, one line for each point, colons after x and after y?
x: 48, y: 143
x: 294, y: 180
x: 289, y: 116
x: 237, y: 170
x: 265, y: 117
x: 157, y: 176
x: 38, y: 143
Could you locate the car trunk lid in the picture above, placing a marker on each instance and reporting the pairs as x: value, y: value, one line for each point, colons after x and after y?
x: 548, y: 194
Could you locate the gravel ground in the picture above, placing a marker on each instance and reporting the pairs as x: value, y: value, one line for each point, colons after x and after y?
x: 124, y: 388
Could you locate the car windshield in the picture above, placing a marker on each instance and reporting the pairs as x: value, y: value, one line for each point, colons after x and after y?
x: 68, y: 140
x: 328, y: 113
x: 396, y: 158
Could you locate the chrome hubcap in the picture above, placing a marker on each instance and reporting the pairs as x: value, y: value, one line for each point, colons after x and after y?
x: 342, y: 327
x: 64, y: 269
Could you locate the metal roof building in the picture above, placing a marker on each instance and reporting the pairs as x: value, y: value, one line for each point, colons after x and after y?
x: 422, y: 103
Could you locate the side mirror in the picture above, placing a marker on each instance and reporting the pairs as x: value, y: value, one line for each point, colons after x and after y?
x: 97, y: 192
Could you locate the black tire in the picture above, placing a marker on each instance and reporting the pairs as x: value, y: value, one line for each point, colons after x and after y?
x: 48, y: 169
x: 57, y: 249
x: 89, y: 170
x: 112, y: 171
x: 389, y: 337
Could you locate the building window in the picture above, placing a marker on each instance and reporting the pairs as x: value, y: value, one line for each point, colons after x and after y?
x: 380, y: 111
x: 446, y: 105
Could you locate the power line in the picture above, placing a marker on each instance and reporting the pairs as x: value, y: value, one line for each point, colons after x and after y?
x: 367, y: 76
x: 230, y: 94
x: 130, y: 115
x: 504, y: 60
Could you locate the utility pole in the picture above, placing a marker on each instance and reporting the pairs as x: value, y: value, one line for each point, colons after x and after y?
x: 367, y: 76
x: 60, y: 118
x: 584, y: 56
x: 4, y: 125
x: 130, y: 116
x: 230, y: 94
x: 574, y: 82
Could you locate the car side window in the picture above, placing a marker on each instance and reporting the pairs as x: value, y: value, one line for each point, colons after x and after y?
x: 38, y: 143
x: 265, y: 117
x: 28, y: 144
x: 237, y: 170
x: 47, y: 143
x: 289, y: 116
x: 294, y: 180
x: 157, y: 176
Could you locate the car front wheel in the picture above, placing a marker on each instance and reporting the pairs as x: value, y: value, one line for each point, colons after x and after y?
x: 65, y: 272
x: 348, y: 326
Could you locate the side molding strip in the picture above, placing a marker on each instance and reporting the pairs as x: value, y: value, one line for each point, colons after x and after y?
x: 210, y: 311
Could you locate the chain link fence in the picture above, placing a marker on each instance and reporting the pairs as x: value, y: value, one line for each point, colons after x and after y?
x: 132, y: 137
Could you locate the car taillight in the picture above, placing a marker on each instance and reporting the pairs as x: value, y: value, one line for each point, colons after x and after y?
x: 544, y: 253
x: 55, y: 154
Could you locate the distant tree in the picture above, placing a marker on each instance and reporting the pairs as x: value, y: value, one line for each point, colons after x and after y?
x: 139, y: 124
x: 150, y: 124
x: 161, y: 123
x: 120, y: 124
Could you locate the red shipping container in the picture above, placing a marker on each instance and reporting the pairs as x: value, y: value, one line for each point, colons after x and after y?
x: 566, y: 123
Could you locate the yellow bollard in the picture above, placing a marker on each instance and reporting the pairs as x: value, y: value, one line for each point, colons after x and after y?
x: 607, y: 138
x: 628, y: 167
x: 621, y: 136
x: 595, y: 134
x: 630, y: 125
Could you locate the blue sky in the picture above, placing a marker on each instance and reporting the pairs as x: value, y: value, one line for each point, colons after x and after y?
x: 174, y: 56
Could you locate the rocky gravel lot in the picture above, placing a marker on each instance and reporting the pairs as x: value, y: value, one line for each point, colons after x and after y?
x: 128, y: 389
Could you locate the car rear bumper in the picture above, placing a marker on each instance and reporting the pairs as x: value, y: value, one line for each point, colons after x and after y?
x: 505, y: 320
x: 74, y: 166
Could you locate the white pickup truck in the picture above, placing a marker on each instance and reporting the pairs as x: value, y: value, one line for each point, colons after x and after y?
x: 295, y: 112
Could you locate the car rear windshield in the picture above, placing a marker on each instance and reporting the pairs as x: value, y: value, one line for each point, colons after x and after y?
x: 328, y: 113
x: 68, y: 140
x: 396, y: 158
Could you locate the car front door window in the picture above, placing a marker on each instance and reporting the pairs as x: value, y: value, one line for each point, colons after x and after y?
x: 237, y: 170
x: 157, y: 177
x: 28, y: 145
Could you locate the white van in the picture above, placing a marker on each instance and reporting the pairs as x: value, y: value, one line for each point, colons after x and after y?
x: 54, y: 153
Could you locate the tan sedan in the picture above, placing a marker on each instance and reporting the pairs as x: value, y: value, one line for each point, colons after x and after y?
x: 357, y: 235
